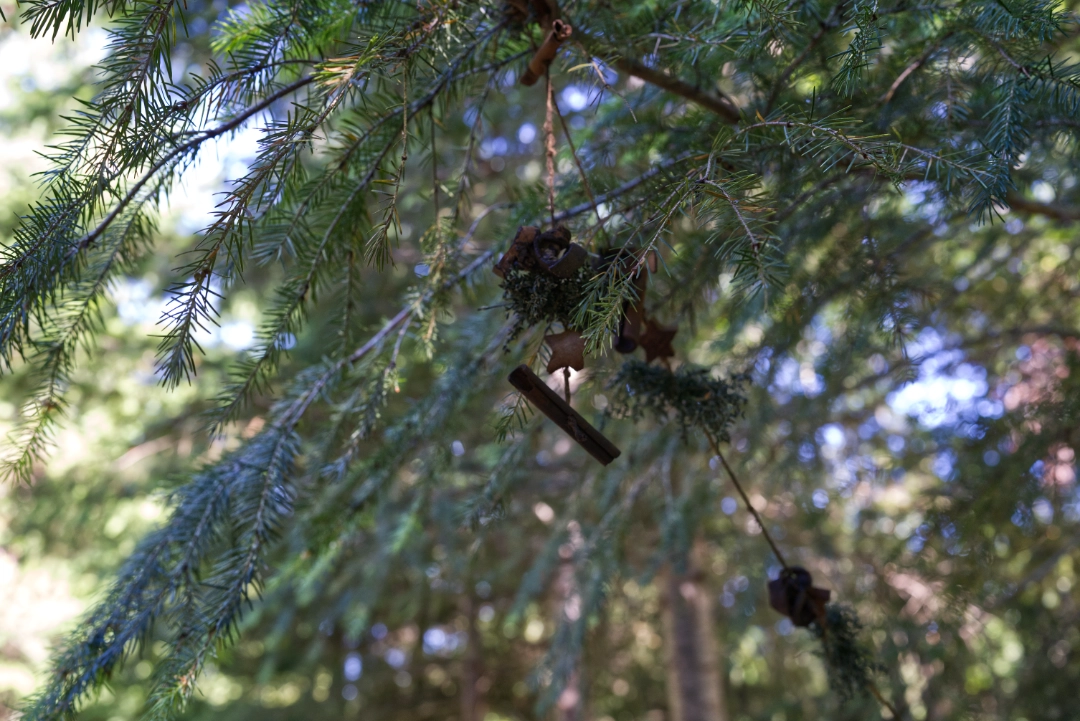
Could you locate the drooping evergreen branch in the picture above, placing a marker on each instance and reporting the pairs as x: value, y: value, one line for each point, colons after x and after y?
x: 61, y: 340
x: 287, y: 316
x: 710, y: 100
x: 107, y: 142
x: 181, y: 153
x: 161, y: 564
x: 214, y: 606
x: 190, y: 308
x: 109, y: 146
x: 83, y: 664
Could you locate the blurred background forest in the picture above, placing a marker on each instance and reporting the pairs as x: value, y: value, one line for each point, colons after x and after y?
x: 967, y: 590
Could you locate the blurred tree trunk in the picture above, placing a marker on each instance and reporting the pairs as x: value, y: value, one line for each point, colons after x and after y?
x: 695, y: 681
x: 569, y: 706
x: 473, y: 707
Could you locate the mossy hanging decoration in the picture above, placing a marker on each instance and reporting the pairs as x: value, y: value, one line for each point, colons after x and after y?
x: 536, y: 299
x: 544, y: 278
x: 850, y: 664
x: 689, y: 395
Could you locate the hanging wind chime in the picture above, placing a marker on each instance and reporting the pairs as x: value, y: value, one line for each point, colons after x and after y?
x: 556, y: 268
x: 544, y: 274
x: 554, y: 260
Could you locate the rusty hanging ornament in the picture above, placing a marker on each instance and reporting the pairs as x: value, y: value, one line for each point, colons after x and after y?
x: 550, y: 251
x: 656, y: 340
x: 556, y: 32
x: 567, y: 351
x: 559, y: 411
x: 517, y: 11
x: 557, y: 254
x: 794, y: 595
x: 520, y: 254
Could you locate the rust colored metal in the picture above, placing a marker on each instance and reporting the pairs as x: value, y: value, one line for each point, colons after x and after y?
x: 629, y: 334
x: 517, y: 10
x: 629, y: 328
x: 565, y: 417
x: 521, y: 253
x: 794, y: 595
x: 567, y: 351
x: 542, y: 10
x: 656, y: 340
x: 557, y: 255
x: 556, y: 36
x: 550, y: 251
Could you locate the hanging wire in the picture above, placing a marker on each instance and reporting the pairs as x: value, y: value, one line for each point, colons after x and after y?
x: 434, y: 166
x: 746, y: 499
x: 870, y: 685
x: 549, y: 146
x: 581, y: 172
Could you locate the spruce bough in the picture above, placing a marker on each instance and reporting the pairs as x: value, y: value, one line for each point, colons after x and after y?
x: 823, y: 182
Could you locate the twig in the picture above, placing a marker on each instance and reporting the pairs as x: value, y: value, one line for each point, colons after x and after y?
x: 434, y: 164
x: 719, y: 104
x: 828, y: 24
x: 626, y: 187
x: 888, y: 96
x: 222, y: 129
x: 397, y: 344
x: 873, y: 689
x: 1064, y: 213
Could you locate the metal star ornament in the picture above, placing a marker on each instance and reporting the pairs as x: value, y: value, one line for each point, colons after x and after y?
x: 656, y: 340
x: 567, y: 351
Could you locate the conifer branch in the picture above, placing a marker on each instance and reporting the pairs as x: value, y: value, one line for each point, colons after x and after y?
x: 714, y: 100
x: 1062, y: 213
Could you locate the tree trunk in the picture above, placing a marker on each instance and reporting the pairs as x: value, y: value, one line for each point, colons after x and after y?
x: 472, y: 699
x: 568, y: 707
x: 695, y: 681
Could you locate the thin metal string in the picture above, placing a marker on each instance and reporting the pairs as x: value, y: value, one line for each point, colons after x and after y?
x: 549, y: 146
x: 746, y: 499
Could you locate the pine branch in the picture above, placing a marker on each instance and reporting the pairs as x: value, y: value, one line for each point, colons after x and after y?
x: 713, y: 101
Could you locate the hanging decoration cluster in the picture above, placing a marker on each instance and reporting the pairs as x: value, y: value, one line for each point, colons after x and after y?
x: 545, y: 277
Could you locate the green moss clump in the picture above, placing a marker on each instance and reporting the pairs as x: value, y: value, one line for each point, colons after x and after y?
x: 850, y: 664
x: 690, y: 395
x: 539, y: 298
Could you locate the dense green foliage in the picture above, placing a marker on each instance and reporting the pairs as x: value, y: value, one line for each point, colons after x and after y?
x: 687, y: 395
x: 868, y: 207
